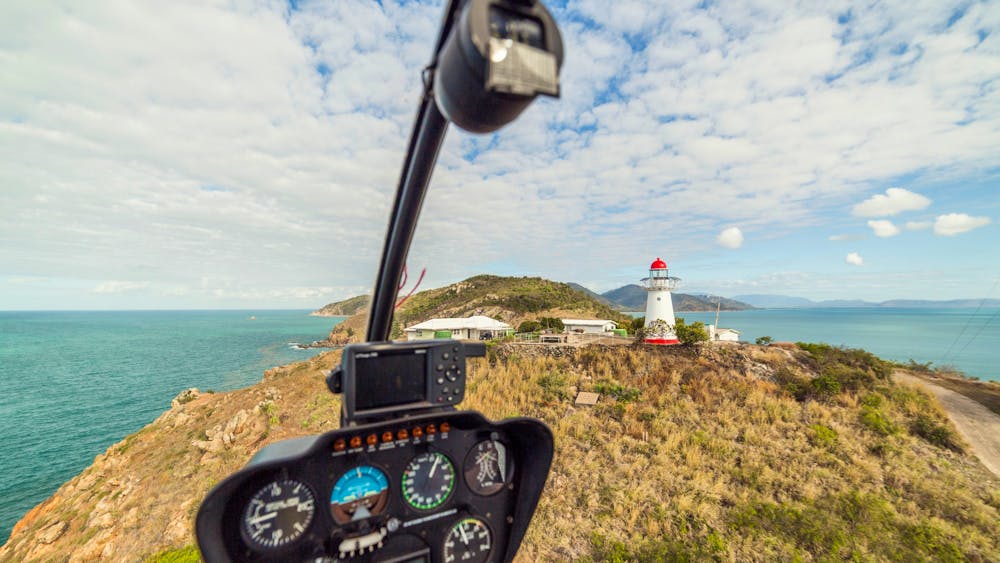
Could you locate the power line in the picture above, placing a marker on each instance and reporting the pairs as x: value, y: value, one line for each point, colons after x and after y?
x: 969, y: 321
x: 988, y: 321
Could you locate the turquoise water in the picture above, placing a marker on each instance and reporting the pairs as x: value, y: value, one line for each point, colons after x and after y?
x: 963, y: 338
x: 76, y: 382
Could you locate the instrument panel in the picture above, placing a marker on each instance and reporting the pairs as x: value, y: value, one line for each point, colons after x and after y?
x: 442, y: 487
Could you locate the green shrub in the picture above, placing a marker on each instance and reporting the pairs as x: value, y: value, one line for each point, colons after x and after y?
x: 553, y: 386
x: 618, y: 391
x: 689, y: 334
x: 876, y: 421
x: 935, y: 433
x: 823, y: 436
x: 825, y: 385
x: 187, y: 554
x: 529, y: 326
x: 764, y: 340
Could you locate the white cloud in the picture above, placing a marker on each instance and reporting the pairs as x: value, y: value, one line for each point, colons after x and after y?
x: 242, y: 142
x: 883, y: 228
x: 895, y: 201
x: 918, y: 225
x: 855, y: 259
x: 119, y: 286
x: 953, y: 224
x: 730, y: 238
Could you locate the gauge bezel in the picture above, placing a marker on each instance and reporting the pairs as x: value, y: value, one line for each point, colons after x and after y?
x: 381, y: 507
x: 253, y: 542
x: 455, y: 523
x: 510, y: 469
x: 444, y: 500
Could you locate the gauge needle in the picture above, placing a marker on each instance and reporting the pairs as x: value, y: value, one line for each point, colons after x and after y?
x: 434, y: 466
x: 465, y: 538
x: 259, y: 519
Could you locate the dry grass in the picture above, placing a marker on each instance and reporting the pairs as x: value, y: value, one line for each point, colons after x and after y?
x: 693, y: 457
x: 687, y: 456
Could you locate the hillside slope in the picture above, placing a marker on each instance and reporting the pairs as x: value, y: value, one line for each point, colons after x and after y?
x: 633, y: 298
x: 736, y: 453
x: 509, y: 299
x: 345, y: 308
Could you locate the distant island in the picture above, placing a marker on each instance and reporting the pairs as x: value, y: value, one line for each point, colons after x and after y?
x: 629, y: 298
x: 767, y: 301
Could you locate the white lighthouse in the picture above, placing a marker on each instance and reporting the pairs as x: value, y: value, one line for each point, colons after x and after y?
x: 659, y: 306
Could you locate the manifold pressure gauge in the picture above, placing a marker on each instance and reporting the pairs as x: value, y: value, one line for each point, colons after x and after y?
x: 469, y: 541
x: 428, y: 480
x: 278, y: 514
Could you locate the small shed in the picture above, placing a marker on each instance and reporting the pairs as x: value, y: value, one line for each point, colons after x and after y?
x: 723, y: 334
x: 477, y: 327
x: 589, y: 326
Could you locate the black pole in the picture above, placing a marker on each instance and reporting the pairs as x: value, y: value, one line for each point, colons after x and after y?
x: 430, y: 132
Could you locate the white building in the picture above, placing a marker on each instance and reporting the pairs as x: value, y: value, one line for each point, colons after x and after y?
x: 723, y: 334
x: 477, y: 327
x: 589, y: 326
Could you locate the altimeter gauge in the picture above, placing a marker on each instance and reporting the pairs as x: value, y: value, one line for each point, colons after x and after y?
x: 488, y: 467
x: 428, y: 480
x: 278, y: 514
x: 469, y: 541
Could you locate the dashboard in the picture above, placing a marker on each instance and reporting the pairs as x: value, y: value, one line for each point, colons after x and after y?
x: 448, y: 487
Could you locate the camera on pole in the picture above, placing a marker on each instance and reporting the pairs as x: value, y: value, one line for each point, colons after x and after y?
x: 499, y: 56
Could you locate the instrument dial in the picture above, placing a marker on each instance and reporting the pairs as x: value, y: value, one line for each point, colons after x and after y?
x: 488, y: 467
x: 278, y: 514
x: 469, y: 541
x: 428, y: 480
x: 361, y: 492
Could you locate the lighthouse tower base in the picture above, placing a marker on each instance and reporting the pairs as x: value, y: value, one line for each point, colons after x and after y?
x: 661, y: 341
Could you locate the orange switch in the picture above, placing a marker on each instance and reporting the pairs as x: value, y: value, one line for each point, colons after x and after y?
x: 445, y: 427
x: 371, y: 440
x: 387, y: 436
x: 431, y: 429
x: 418, y: 432
x: 356, y: 441
x: 339, y: 445
x: 402, y: 434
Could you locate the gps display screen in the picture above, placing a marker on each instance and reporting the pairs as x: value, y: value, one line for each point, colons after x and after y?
x: 390, y: 378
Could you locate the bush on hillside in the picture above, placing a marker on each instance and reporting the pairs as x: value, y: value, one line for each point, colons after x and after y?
x: 529, y: 326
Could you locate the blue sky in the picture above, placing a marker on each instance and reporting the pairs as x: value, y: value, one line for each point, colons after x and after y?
x: 243, y: 154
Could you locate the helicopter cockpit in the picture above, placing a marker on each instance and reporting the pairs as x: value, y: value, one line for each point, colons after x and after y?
x: 407, y: 477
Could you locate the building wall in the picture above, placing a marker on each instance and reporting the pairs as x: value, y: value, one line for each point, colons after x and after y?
x: 589, y: 329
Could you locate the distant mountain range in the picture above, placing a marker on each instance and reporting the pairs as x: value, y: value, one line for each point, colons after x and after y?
x: 632, y: 297
x: 765, y: 301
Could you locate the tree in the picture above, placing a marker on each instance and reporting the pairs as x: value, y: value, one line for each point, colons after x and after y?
x: 529, y: 326
x: 764, y: 340
x: 552, y: 324
x: 690, y: 334
x: 636, y: 325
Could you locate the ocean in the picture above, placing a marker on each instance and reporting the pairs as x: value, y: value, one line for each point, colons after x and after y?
x: 962, y: 338
x: 77, y: 382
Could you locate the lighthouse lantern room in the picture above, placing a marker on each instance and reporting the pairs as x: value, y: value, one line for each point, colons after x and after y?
x: 659, y: 305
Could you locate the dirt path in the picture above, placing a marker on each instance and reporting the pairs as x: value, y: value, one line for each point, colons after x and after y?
x: 979, y: 426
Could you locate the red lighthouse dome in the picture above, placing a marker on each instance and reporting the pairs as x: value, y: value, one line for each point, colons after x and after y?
x: 658, y: 265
